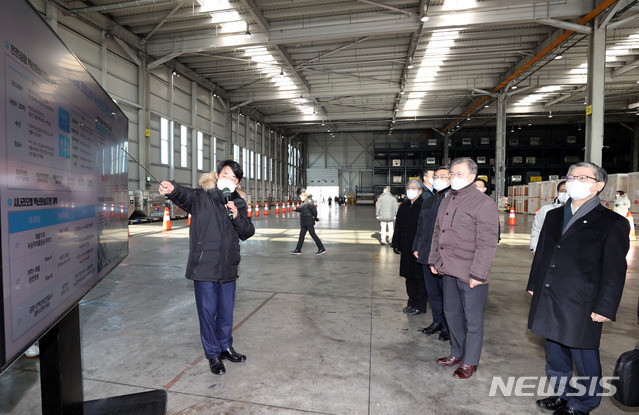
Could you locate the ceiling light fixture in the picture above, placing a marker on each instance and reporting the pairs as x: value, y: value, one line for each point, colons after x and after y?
x: 550, y: 114
x: 558, y: 57
x: 514, y: 87
x: 425, y: 18
x: 410, y: 66
x: 247, y: 34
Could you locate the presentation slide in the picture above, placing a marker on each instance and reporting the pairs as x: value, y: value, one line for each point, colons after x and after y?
x: 63, y: 179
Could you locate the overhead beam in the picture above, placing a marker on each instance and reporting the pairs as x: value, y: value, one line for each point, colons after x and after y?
x: 133, y: 55
x: 626, y: 68
x: 622, y: 22
x: 159, y: 25
x: 566, y: 25
x: 256, y: 14
x: 163, y: 59
x: 611, y: 13
x: 385, y: 6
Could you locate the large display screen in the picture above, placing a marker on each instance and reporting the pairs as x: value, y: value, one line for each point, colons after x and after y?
x: 63, y: 179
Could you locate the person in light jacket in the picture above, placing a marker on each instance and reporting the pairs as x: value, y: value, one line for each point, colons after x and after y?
x: 463, y: 248
x: 385, y: 211
x: 308, y: 217
x: 219, y: 221
x: 622, y: 203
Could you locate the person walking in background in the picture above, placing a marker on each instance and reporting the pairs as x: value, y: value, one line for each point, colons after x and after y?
x: 403, y: 238
x: 576, y: 281
x: 463, y: 248
x: 622, y: 203
x: 330, y: 201
x: 308, y: 217
x: 219, y: 221
x: 540, y: 216
x: 385, y: 211
x: 421, y: 250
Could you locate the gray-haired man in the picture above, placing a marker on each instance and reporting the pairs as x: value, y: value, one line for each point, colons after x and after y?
x: 464, y: 243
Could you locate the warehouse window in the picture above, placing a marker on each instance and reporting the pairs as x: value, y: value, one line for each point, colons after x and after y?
x: 236, y: 153
x: 258, y: 167
x: 252, y: 164
x: 200, y: 150
x: 164, y: 141
x: 184, y: 149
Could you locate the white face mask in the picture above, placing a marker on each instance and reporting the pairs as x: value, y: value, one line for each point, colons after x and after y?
x: 458, y: 183
x: 412, y: 193
x: 440, y: 184
x: 226, y: 184
x: 562, y: 197
x: 578, y: 190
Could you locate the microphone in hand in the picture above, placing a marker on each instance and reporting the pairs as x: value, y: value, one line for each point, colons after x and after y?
x: 226, y: 195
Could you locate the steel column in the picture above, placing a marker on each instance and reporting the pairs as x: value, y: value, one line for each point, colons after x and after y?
x: 595, y: 93
x: 500, y: 147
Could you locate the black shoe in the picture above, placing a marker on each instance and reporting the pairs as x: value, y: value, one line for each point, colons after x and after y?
x: 407, y: 309
x: 432, y: 329
x: 397, y: 251
x: 551, y: 403
x: 414, y: 312
x: 233, y: 356
x: 217, y: 367
x: 296, y: 252
x: 320, y: 252
x: 444, y: 335
x: 568, y: 410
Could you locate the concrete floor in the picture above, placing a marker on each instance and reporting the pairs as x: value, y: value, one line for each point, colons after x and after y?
x: 323, y: 335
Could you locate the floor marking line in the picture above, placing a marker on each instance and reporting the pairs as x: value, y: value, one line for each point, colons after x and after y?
x: 178, y: 377
x: 253, y: 312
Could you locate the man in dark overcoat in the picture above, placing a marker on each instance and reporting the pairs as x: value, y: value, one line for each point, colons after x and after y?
x: 576, y: 280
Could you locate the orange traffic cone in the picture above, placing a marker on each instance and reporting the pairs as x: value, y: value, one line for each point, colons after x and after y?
x: 633, y: 236
x: 250, y: 211
x: 166, y: 223
x: 288, y: 206
x: 266, y: 209
x: 188, y: 220
x: 257, y: 209
x: 511, y: 217
x: 129, y: 230
x: 277, y: 207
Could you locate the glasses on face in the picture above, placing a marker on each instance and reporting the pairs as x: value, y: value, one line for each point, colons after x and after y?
x: 411, y: 188
x: 459, y: 173
x: 441, y: 177
x: 579, y: 178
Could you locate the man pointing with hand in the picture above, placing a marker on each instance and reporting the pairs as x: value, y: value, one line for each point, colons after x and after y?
x: 219, y: 221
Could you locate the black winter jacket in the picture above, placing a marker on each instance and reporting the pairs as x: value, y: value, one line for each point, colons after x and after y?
x: 308, y: 213
x: 214, y: 251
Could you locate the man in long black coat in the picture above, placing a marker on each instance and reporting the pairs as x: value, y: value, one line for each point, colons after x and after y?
x: 576, y: 280
x: 403, y: 238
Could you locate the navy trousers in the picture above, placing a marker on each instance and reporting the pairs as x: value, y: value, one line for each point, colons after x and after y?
x: 435, y: 294
x: 559, y: 360
x: 214, y: 303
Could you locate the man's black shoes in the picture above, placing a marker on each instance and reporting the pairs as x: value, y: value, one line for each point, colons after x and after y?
x: 569, y: 410
x: 217, y: 367
x: 444, y: 335
x: 432, y: 329
x: 552, y: 403
x: 233, y: 356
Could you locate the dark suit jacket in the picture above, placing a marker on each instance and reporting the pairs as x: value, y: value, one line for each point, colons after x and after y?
x: 577, y: 273
x: 425, y: 226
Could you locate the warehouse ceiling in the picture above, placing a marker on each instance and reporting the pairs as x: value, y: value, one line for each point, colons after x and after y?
x: 378, y: 65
